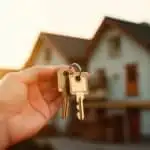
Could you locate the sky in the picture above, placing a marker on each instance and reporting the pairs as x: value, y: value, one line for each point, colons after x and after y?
x: 21, y: 21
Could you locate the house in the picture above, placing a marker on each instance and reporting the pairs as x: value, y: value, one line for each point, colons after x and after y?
x: 122, y: 49
x: 52, y: 49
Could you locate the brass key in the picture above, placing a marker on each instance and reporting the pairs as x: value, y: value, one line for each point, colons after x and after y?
x: 63, y: 86
x: 79, y: 88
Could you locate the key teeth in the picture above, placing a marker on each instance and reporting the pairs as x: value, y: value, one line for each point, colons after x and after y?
x: 78, y: 113
x: 77, y: 107
x: 79, y: 117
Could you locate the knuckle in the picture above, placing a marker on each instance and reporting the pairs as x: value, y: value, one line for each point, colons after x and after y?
x: 32, y: 68
x: 36, y: 67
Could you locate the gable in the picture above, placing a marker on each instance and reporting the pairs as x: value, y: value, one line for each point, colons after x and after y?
x: 57, y: 59
x: 71, y: 47
x: 130, y: 51
x: 138, y: 32
x: 68, y: 49
x: 48, y: 54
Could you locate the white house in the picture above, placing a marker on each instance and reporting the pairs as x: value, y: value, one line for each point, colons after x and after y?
x: 122, y: 49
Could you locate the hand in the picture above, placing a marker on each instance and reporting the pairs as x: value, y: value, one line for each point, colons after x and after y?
x: 28, y: 99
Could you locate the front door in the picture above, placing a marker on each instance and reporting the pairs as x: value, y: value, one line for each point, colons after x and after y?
x: 132, y: 80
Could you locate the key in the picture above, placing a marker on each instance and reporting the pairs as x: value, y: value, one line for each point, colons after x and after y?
x: 66, y: 94
x: 79, y: 88
x: 61, y: 80
x: 63, y: 86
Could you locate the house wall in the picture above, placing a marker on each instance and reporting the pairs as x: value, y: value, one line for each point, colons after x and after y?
x: 56, y: 59
x: 130, y: 52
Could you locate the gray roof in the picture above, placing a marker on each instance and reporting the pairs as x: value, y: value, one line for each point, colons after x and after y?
x: 141, y: 31
x: 71, y: 47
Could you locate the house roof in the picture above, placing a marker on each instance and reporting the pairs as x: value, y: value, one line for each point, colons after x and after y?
x: 72, y: 48
x: 140, y: 32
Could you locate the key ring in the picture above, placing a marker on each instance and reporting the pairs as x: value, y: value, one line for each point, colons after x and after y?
x: 77, y: 67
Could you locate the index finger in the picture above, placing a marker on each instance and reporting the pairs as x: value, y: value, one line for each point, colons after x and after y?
x: 37, y: 73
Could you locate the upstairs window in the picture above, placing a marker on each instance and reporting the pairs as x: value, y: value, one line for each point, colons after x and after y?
x: 47, y: 55
x: 114, y: 46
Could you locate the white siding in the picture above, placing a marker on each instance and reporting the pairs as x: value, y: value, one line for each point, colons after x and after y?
x: 56, y: 58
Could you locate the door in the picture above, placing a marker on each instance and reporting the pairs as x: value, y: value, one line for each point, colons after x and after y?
x: 132, y: 88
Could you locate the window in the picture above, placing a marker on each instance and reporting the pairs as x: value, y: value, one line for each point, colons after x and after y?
x: 114, y: 46
x: 47, y: 55
x: 131, y: 80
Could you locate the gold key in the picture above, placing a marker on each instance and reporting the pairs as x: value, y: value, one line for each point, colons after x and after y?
x: 79, y: 88
x: 63, y: 86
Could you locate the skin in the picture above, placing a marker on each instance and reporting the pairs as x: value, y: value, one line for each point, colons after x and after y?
x: 28, y: 99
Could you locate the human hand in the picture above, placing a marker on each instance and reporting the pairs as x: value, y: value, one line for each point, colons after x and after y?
x: 28, y: 99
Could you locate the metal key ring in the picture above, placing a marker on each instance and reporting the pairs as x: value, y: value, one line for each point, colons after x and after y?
x: 76, y: 67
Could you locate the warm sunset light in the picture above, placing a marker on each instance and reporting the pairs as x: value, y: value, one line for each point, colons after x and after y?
x: 23, y: 20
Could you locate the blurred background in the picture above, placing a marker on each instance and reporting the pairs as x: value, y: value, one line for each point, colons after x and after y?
x: 109, y: 39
